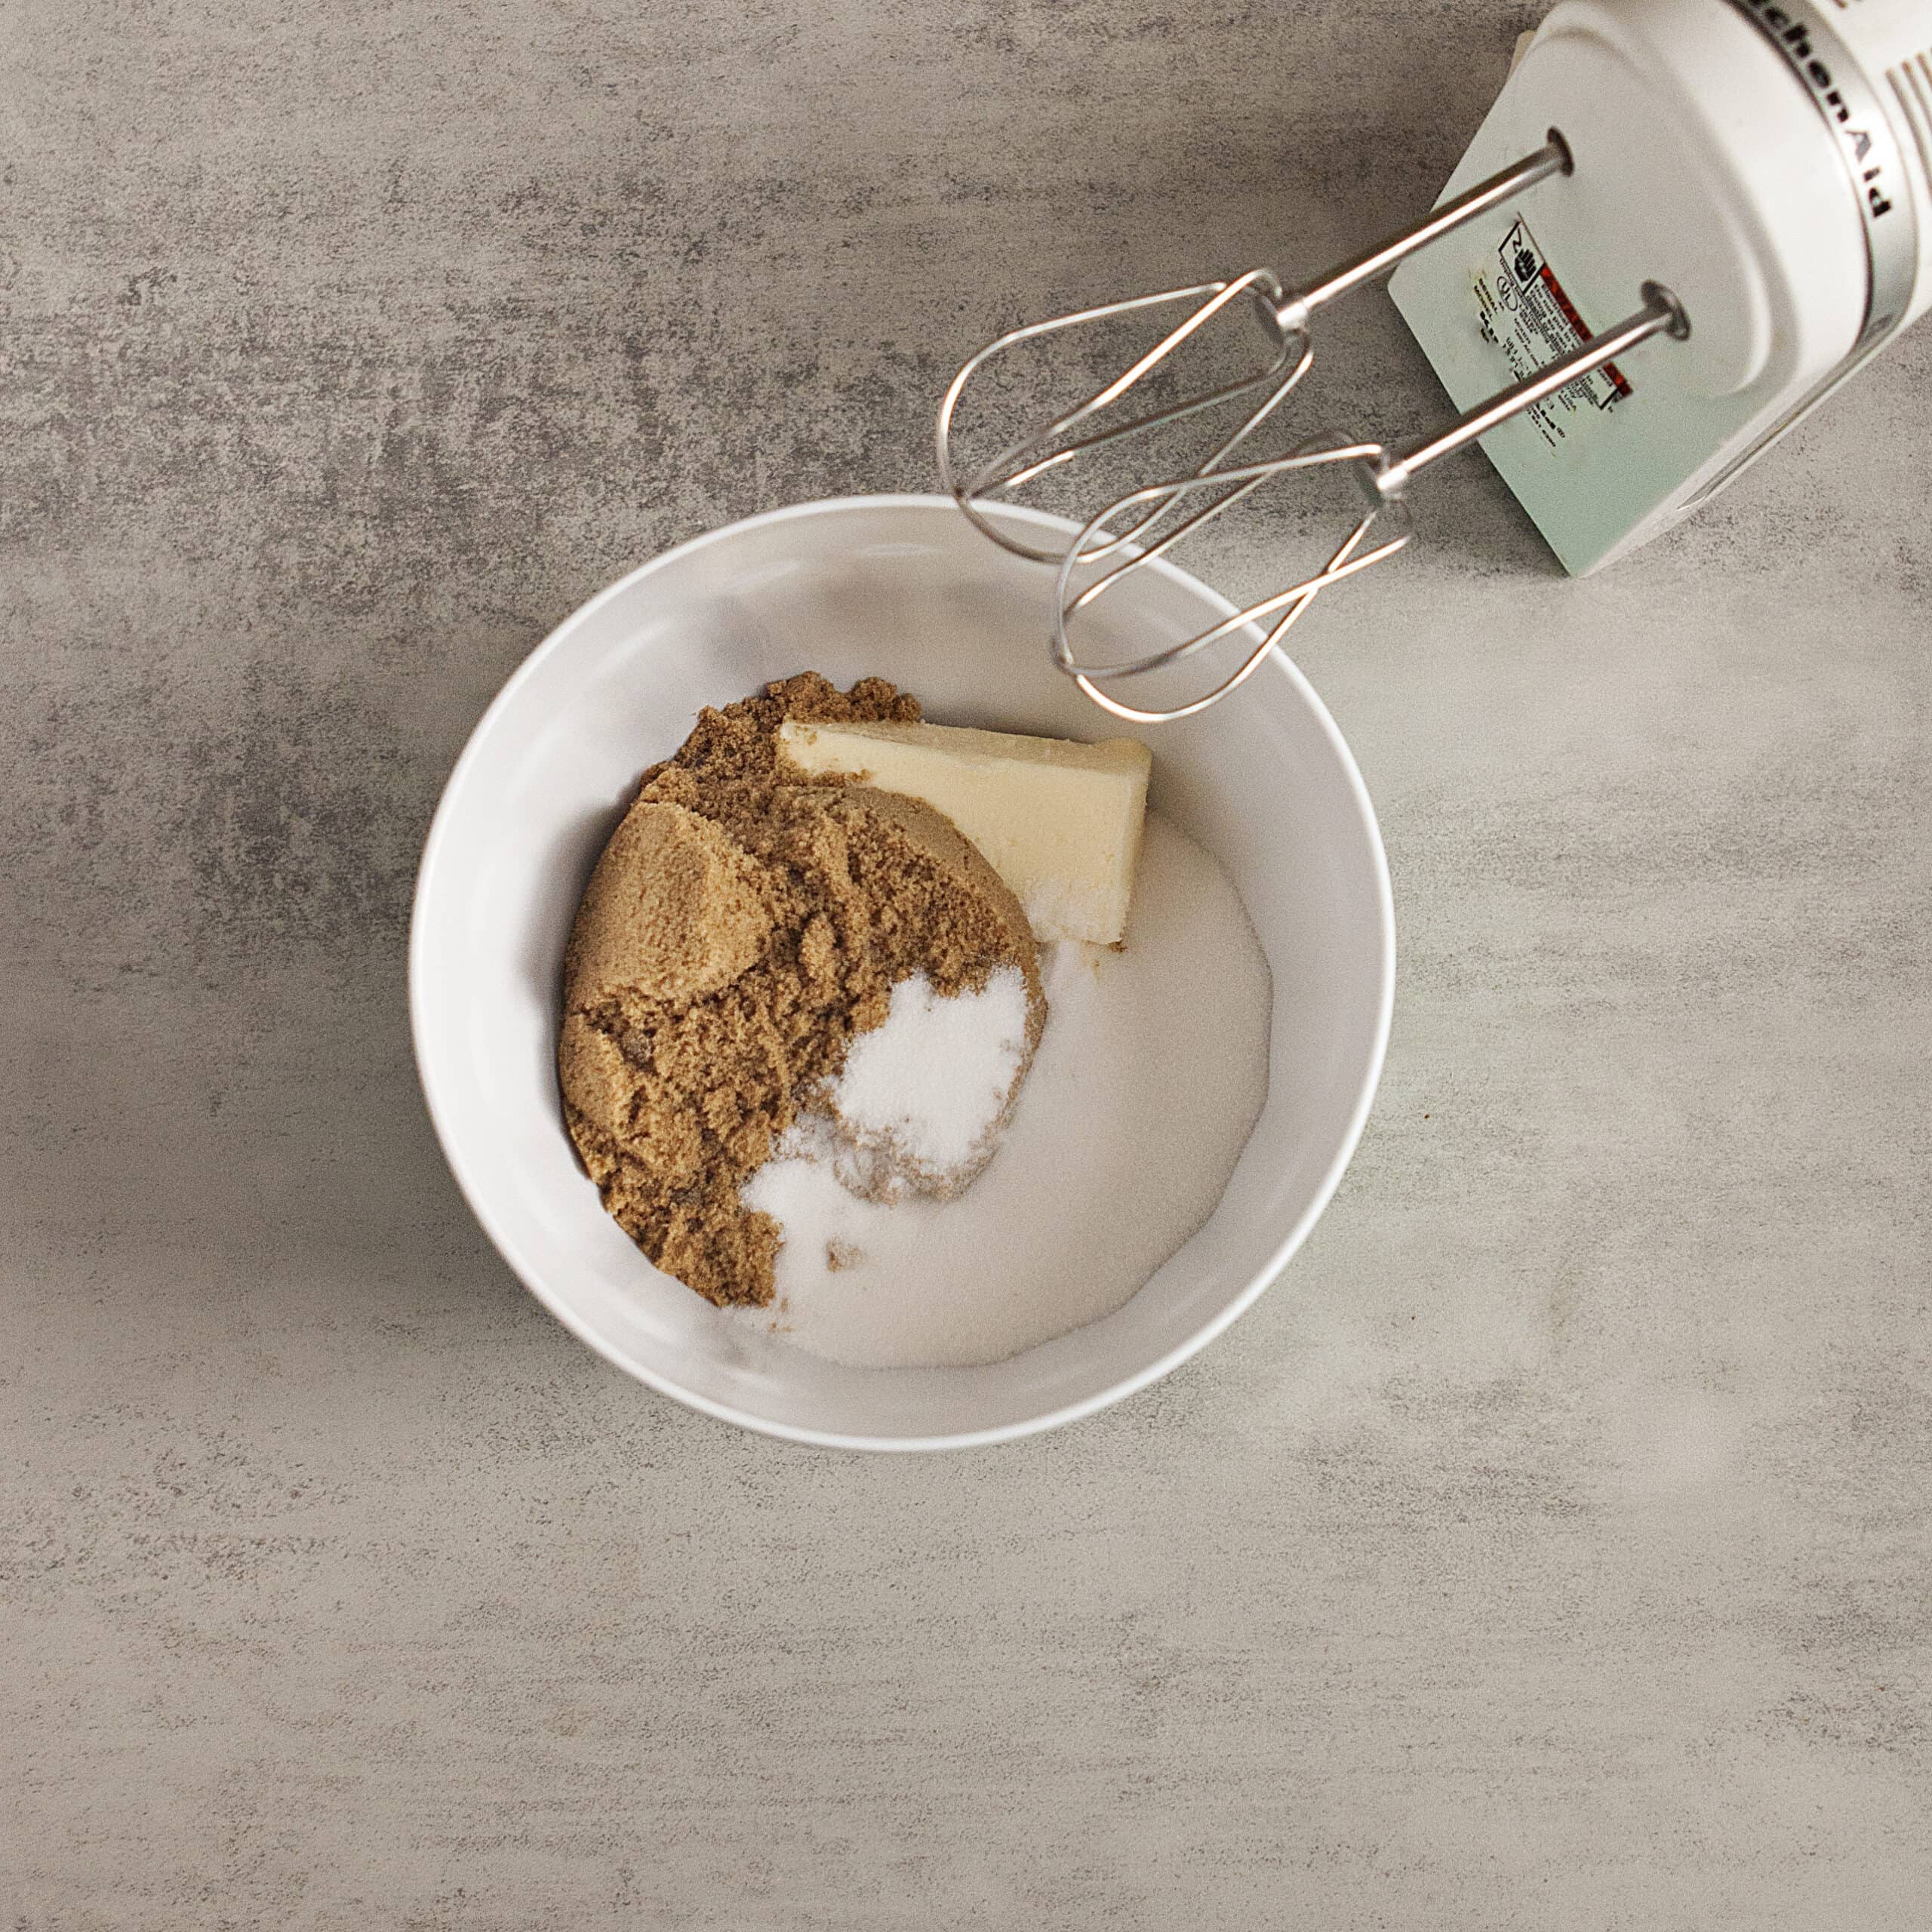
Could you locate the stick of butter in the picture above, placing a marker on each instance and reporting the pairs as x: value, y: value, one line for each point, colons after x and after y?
x: 1059, y: 822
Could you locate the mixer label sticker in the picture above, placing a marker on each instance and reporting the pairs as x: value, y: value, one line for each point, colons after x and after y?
x: 1523, y: 311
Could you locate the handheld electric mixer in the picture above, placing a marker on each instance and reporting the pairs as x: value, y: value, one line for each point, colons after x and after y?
x: 1751, y: 182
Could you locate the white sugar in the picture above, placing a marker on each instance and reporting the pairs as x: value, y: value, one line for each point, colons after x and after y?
x: 1150, y: 1075
x: 923, y: 1097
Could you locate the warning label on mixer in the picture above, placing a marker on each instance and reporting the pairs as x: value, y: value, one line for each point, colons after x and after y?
x: 1523, y: 311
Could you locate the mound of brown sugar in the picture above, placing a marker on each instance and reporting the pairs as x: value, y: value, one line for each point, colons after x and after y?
x: 736, y: 935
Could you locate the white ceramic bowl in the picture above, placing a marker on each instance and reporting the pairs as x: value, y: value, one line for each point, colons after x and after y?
x: 901, y: 587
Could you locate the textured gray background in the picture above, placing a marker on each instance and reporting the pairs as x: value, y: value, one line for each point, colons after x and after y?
x: 1550, y: 1549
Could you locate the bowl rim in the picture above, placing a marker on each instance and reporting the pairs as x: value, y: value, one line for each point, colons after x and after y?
x: 437, y: 839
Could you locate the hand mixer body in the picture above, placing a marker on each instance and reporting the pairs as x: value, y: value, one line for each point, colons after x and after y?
x: 1769, y: 168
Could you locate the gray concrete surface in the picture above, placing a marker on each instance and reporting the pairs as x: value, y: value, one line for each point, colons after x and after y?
x: 1549, y: 1550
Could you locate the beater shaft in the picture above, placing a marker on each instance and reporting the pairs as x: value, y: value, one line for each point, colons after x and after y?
x: 1662, y: 314
x: 1553, y: 158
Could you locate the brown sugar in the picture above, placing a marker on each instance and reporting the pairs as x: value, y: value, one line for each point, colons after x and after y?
x: 674, y: 910
x: 738, y: 933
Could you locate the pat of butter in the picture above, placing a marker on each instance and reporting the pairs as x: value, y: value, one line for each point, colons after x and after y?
x: 1059, y: 822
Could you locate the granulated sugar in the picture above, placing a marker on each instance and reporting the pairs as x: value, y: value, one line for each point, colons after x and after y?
x: 1150, y: 1076
x: 922, y: 1099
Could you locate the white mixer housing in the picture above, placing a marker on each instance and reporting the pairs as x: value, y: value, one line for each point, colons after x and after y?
x: 1770, y: 163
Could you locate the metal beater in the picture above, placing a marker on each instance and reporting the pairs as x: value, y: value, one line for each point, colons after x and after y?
x: 1129, y: 528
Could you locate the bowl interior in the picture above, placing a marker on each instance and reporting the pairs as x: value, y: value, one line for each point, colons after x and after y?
x: 901, y: 588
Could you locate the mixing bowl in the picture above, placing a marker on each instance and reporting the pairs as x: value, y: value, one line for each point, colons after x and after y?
x: 903, y: 588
